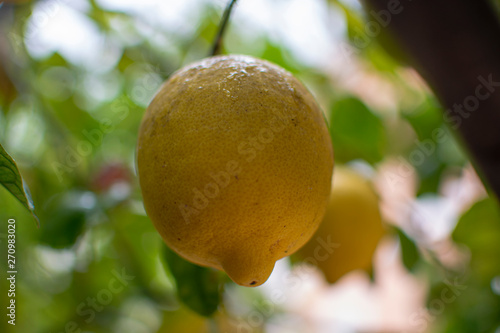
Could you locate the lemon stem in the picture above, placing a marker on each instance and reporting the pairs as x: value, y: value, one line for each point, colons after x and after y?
x: 222, y: 27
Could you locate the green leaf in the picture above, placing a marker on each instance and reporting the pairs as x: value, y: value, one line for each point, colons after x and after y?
x: 11, y: 179
x: 364, y: 43
x: 479, y: 229
x: 66, y: 215
x: 409, y: 251
x: 425, y: 119
x: 278, y: 55
x: 354, y: 22
x: 468, y: 308
x: 54, y: 60
x: 435, y: 149
x: 356, y: 132
x: 379, y: 58
x: 198, y: 287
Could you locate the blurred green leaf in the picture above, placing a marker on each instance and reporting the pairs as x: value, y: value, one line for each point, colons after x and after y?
x: 356, y: 132
x: 126, y: 60
x: 11, y: 179
x: 64, y: 227
x: 277, y: 54
x: 430, y: 176
x: 55, y: 60
x: 409, y: 251
x: 140, y: 247
x: 66, y: 214
x: 207, y: 28
x: 379, y: 58
x: 99, y: 16
x: 425, y: 119
x: 198, y: 287
x: 479, y: 229
x: 432, y: 152
x: 366, y: 43
x: 462, y: 304
x: 354, y: 22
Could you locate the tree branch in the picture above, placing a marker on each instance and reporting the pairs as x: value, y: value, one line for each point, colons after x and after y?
x: 222, y: 26
x: 455, y: 45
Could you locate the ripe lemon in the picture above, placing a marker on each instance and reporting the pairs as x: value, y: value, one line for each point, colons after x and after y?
x: 235, y: 162
x: 351, y: 229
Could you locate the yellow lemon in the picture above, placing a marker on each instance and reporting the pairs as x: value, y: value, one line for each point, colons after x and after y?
x: 235, y: 163
x: 351, y: 229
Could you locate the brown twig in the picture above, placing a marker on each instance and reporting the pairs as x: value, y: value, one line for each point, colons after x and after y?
x: 222, y: 27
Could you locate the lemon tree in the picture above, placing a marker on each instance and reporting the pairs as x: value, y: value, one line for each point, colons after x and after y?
x: 72, y: 97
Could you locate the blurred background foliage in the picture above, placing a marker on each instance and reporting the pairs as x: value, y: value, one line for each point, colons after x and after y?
x: 75, y: 78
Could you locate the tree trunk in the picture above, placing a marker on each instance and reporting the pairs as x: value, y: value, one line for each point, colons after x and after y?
x: 455, y: 46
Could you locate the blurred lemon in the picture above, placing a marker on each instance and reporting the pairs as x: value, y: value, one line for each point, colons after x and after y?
x: 351, y: 228
x: 183, y: 320
x: 234, y: 162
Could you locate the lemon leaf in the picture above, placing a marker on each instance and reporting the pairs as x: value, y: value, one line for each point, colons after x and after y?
x: 409, y: 251
x: 11, y: 179
x: 68, y: 212
x: 198, y: 287
x: 479, y: 230
x: 356, y: 132
x: 425, y: 118
x: 435, y: 143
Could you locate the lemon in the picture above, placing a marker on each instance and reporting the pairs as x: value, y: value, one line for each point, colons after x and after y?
x: 235, y: 163
x: 351, y: 229
x: 183, y: 320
